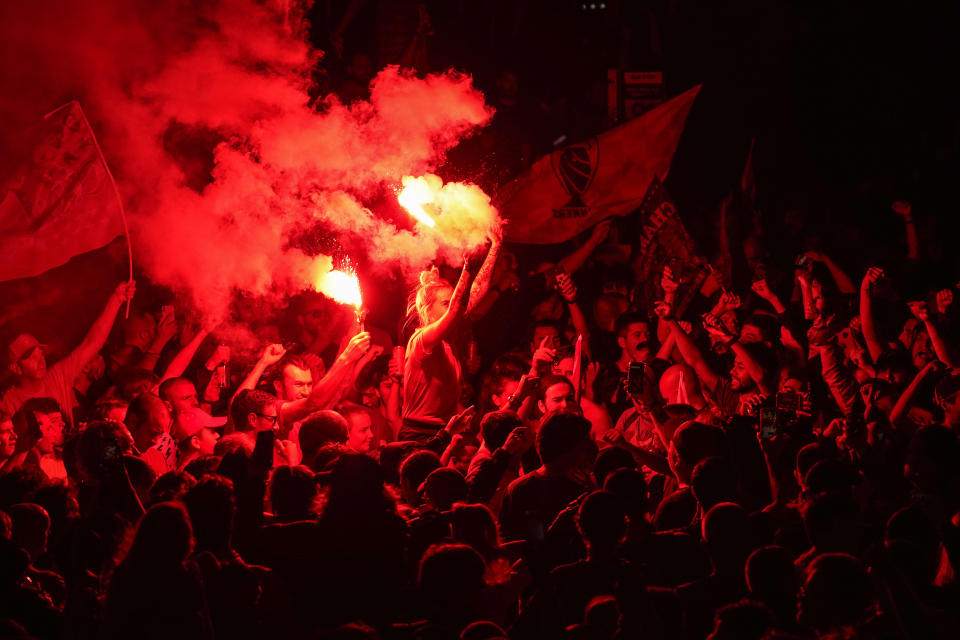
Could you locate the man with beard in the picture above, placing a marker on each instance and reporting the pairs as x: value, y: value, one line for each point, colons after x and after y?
x: 633, y: 338
x: 750, y: 377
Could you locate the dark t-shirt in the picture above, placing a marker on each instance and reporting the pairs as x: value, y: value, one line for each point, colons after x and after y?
x: 431, y: 382
x: 532, y: 502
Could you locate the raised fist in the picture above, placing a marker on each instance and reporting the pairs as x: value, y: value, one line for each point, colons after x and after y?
x: 272, y: 353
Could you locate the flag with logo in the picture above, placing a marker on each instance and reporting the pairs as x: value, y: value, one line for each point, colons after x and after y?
x: 608, y: 175
x: 60, y: 202
x: 662, y: 240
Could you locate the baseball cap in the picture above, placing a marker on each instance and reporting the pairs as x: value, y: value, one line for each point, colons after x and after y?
x: 189, y: 423
x: 22, y: 345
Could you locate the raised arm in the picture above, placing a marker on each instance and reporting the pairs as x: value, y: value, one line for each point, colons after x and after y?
x: 568, y: 291
x: 434, y: 332
x: 166, y: 329
x: 840, y: 277
x: 688, y: 348
x: 328, y: 389
x: 394, y: 400
x: 182, y: 360
x: 874, y: 346
x: 100, y: 329
x: 271, y: 354
x: 940, y: 347
x: 905, y: 400
x: 481, y: 283
x: 754, y: 369
x: 762, y: 289
x: 803, y: 278
x: 903, y: 209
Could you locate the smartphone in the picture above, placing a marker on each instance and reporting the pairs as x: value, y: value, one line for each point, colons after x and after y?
x: 635, y: 378
x: 263, y: 449
x: 768, y: 423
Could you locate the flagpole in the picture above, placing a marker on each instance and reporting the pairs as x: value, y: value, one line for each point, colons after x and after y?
x: 116, y: 191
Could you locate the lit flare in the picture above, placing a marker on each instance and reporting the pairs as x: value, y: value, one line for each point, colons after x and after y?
x: 416, y: 193
x: 342, y: 287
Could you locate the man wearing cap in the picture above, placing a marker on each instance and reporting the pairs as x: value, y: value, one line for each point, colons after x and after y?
x: 27, y: 361
x: 195, y: 433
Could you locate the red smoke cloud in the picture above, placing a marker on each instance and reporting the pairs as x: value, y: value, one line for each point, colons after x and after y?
x: 162, y: 82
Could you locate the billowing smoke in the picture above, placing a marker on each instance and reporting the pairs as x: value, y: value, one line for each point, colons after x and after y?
x: 164, y: 83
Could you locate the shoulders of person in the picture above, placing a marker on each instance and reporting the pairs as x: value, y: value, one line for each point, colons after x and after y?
x: 415, y: 346
x: 67, y: 368
x: 11, y: 399
x: 722, y: 395
x: 481, y: 458
x: 627, y: 418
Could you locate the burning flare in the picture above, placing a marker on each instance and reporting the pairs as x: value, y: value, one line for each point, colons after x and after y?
x: 339, y: 285
x: 417, y: 192
x: 342, y: 287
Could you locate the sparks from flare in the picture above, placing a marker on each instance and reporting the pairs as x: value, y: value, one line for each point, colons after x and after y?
x: 416, y: 193
x: 342, y: 287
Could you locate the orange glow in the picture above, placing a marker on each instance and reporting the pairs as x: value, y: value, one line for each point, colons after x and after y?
x: 341, y: 286
x: 416, y: 193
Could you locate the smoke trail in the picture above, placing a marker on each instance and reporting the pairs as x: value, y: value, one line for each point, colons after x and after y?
x: 203, y: 111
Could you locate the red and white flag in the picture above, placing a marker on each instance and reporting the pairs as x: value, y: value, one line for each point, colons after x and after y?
x: 60, y: 202
x: 576, y: 187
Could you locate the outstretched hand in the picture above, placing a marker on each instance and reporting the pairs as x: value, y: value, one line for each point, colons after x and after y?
x: 461, y: 421
x: 272, y: 354
x: 903, y: 209
x: 566, y: 288
x: 668, y: 281
x: 125, y: 290
x: 544, y: 353
x: 762, y: 289
x: 944, y: 300
x: 664, y: 310
x: 357, y: 346
x: 872, y: 277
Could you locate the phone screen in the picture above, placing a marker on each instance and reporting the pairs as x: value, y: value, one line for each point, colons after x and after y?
x: 768, y: 423
x: 635, y: 378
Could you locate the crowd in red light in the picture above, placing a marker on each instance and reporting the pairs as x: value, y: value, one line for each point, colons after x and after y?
x: 531, y: 447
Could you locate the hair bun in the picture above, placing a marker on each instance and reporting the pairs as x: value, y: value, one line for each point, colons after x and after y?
x: 429, y: 277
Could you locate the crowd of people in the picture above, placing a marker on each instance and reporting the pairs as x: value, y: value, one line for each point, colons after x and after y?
x: 539, y: 455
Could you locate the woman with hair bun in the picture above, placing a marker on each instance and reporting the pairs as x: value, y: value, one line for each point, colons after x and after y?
x: 432, y: 373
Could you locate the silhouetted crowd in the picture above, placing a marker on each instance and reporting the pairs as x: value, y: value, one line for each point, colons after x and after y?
x: 539, y: 453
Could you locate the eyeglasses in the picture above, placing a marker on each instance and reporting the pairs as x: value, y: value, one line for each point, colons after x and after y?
x: 272, y: 419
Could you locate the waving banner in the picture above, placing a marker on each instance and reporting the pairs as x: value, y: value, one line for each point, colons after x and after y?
x: 575, y: 187
x: 58, y: 204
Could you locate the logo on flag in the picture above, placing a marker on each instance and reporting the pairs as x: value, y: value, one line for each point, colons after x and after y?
x: 574, y: 188
x: 575, y: 167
